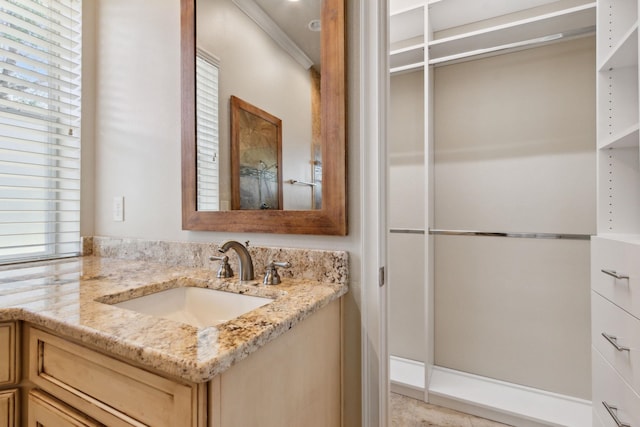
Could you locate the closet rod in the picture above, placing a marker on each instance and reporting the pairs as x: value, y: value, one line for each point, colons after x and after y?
x: 563, y: 236
x: 516, y: 45
x: 406, y: 231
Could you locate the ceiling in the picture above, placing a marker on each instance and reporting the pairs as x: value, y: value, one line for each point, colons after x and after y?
x: 293, y: 17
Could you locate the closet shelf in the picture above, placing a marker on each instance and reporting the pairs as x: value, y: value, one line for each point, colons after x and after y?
x: 407, y: 67
x: 621, y: 237
x: 629, y: 137
x: 574, y: 20
x: 406, y: 24
x: 625, y: 52
x: 411, y: 56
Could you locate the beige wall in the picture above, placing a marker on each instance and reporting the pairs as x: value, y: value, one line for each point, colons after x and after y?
x: 406, y: 211
x: 514, y: 152
x: 136, y: 140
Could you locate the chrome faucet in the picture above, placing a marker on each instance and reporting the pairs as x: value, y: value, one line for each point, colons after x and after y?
x: 244, y: 258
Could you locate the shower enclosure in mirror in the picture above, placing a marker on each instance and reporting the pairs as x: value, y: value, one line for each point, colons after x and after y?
x: 256, y: 157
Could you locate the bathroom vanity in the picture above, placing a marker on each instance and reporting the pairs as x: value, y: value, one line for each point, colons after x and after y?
x: 70, y: 357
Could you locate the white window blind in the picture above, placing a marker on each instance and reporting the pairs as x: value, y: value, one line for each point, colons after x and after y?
x: 208, y: 193
x: 40, y: 46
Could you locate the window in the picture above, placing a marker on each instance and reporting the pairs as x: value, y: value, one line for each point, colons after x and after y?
x: 40, y: 46
x: 207, y: 132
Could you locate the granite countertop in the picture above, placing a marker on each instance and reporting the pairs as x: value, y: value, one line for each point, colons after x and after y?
x: 71, y: 298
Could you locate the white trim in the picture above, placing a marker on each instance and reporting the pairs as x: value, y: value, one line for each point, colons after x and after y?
x: 407, y: 377
x: 264, y: 21
x: 208, y: 56
x: 409, y: 67
x: 407, y: 372
x: 373, y: 98
x: 506, y: 402
x: 501, y: 401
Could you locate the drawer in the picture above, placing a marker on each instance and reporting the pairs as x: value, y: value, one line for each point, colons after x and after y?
x: 45, y: 411
x: 623, y: 330
x: 108, y: 390
x: 609, y: 387
x: 597, y: 422
x: 623, y: 258
x: 8, y: 353
x: 9, y: 408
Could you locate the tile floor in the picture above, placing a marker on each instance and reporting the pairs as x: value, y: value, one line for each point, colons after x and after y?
x: 407, y: 412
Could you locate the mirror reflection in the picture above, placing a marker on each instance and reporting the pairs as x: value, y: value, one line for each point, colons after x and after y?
x: 256, y: 157
x: 265, y: 53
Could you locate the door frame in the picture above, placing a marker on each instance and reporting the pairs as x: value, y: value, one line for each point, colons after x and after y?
x: 374, y: 90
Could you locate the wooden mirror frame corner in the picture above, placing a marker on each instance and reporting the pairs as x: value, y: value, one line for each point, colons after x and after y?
x: 331, y: 219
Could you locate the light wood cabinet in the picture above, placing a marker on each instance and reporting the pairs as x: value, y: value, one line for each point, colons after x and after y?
x: 294, y: 380
x: 9, y: 374
x: 45, y: 411
x: 8, y: 354
x: 9, y: 408
x: 108, y: 390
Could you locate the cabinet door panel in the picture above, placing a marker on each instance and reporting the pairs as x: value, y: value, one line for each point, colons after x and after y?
x: 8, y: 357
x: 292, y: 381
x: 45, y: 411
x: 9, y: 408
x: 107, y: 389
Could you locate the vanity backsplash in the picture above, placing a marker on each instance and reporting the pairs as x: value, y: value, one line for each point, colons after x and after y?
x: 310, y: 264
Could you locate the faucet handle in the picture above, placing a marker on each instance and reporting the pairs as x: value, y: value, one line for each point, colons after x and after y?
x: 271, y: 276
x: 225, y: 270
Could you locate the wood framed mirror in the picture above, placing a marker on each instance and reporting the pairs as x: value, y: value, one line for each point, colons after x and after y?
x: 331, y: 217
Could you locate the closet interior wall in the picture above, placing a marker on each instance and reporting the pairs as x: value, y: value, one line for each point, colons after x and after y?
x: 406, y: 216
x: 507, y: 93
x: 514, y: 145
x: 514, y: 152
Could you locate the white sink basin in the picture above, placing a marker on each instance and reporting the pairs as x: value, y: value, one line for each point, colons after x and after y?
x: 198, y: 307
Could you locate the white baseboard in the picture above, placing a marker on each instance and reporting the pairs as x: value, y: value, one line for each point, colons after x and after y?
x: 407, y: 377
x: 488, y: 398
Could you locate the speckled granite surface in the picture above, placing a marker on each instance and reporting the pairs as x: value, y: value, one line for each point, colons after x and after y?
x: 70, y: 297
x: 311, y: 264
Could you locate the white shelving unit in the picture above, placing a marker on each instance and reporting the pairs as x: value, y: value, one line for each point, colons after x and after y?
x: 407, y: 38
x: 459, y: 29
x: 615, y: 251
x: 618, y: 119
x: 538, y: 28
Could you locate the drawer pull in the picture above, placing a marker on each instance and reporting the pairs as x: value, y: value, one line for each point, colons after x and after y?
x: 613, y: 411
x: 613, y: 273
x: 614, y: 342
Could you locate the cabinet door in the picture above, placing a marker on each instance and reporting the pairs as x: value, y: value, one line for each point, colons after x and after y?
x: 294, y: 380
x: 9, y: 408
x: 8, y: 368
x: 45, y: 411
x: 107, y: 389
